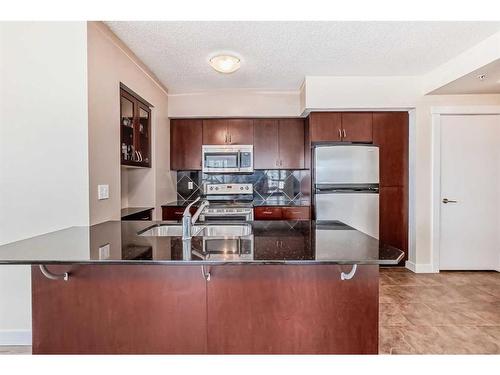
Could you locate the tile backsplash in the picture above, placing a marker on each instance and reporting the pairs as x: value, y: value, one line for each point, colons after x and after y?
x: 268, y: 185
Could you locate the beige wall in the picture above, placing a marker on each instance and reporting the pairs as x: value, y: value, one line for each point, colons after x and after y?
x: 109, y: 63
x: 235, y: 103
x: 43, y: 148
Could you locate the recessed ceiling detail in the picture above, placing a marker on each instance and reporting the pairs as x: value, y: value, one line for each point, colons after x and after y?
x: 278, y: 55
x: 485, y: 80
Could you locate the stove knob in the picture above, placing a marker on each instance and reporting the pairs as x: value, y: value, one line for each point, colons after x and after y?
x: 246, y: 187
x: 216, y: 188
x: 241, y: 188
x: 211, y: 188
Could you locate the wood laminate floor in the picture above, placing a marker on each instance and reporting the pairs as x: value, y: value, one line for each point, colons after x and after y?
x: 444, y: 313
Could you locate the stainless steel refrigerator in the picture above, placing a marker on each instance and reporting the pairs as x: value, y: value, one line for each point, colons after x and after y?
x: 346, y: 185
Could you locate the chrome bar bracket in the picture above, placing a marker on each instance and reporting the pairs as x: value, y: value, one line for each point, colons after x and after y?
x: 206, y: 275
x: 53, y: 276
x: 350, y: 275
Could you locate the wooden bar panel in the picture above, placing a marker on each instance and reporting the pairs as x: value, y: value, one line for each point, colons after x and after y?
x: 111, y: 309
x: 292, y: 309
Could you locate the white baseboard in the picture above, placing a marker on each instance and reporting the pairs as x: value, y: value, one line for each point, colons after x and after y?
x: 15, y: 337
x: 419, y: 267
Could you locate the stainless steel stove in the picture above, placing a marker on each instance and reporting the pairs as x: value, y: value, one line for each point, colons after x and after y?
x: 228, y: 202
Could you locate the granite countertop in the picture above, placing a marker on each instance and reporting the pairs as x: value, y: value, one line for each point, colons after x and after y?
x: 255, y: 203
x: 133, y: 210
x: 271, y: 242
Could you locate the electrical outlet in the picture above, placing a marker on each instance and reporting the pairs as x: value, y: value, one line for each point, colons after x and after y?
x: 190, y: 185
x: 102, y: 192
x: 104, y: 251
x: 281, y: 184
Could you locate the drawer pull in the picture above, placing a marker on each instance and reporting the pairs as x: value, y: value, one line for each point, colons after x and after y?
x: 267, y: 212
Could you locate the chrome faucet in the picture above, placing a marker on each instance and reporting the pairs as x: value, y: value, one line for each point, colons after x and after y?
x: 187, y: 222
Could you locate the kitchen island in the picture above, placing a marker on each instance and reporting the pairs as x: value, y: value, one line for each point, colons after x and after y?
x: 265, y: 287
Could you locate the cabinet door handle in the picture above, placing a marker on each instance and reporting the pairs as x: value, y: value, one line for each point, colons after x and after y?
x: 340, y: 133
x: 225, y: 138
x: 344, y: 133
x: 230, y: 138
x: 267, y: 212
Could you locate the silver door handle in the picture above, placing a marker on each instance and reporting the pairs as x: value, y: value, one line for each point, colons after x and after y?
x: 230, y: 138
x: 340, y: 133
x: 344, y: 133
x: 446, y: 200
x: 225, y: 138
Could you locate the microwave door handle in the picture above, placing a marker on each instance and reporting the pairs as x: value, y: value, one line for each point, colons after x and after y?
x: 239, y: 161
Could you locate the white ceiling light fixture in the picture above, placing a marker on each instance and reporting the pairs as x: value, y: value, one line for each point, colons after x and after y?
x: 225, y: 63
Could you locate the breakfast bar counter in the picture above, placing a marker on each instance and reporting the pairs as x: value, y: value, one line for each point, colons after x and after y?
x: 260, y: 287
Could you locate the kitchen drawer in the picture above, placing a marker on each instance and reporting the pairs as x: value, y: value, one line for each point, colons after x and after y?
x: 295, y: 213
x: 174, y: 212
x: 267, y: 213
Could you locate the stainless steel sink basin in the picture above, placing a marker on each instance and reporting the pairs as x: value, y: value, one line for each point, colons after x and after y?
x: 202, y: 230
x: 226, y: 230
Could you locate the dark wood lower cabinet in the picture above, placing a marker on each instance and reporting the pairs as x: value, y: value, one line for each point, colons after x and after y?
x: 292, y: 310
x: 174, y: 212
x: 111, y: 309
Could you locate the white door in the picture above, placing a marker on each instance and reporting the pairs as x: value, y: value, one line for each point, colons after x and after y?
x: 470, y: 175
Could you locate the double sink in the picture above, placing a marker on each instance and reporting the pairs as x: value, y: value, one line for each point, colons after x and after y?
x: 200, y: 230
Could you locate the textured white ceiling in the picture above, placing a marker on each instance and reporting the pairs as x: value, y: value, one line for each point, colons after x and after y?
x: 277, y: 55
x: 471, y: 84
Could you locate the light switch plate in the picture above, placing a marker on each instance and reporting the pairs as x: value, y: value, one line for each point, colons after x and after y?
x: 102, y: 192
x: 190, y: 185
x: 104, y: 251
x: 281, y: 184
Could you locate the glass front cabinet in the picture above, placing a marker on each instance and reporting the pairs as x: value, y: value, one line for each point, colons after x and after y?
x: 135, y: 130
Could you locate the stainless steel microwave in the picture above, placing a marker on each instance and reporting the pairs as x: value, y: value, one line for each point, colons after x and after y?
x: 227, y: 158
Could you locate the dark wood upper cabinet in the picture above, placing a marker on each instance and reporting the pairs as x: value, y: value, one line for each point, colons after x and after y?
x: 227, y: 132
x: 215, y: 132
x: 340, y: 127
x: 135, y: 130
x: 291, y: 143
x: 357, y: 127
x: 185, y: 141
x: 240, y: 131
x: 325, y: 126
x: 266, y: 144
x: 279, y: 144
x: 390, y: 133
